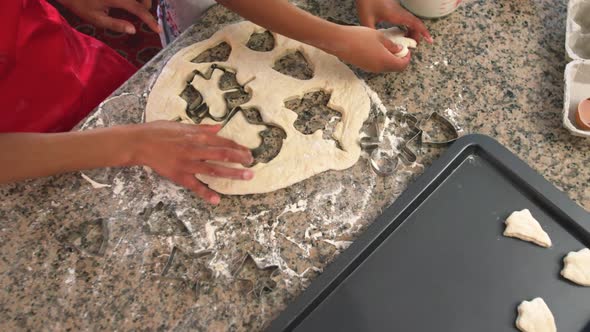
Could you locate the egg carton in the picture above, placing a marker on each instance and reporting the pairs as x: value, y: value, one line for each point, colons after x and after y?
x: 577, y: 72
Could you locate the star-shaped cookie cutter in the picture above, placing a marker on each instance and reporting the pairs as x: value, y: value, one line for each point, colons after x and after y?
x: 261, y: 282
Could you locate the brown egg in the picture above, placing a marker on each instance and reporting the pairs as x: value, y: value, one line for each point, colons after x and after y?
x: 583, y: 114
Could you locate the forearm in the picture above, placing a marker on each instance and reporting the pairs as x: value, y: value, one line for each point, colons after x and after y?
x: 30, y: 155
x: 286, y: 19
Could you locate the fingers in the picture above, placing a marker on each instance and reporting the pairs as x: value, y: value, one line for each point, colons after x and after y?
x: 211, y: 139
x: 415, y: 26
x: 364, y: 14
x: 394, y: 63
x: 367, y: 20
x: 221, y: 154
x: 201, y: 167
x: 138, y: 10
x: 214, y: 129
x: 114, y: 24
x: 190, y: 182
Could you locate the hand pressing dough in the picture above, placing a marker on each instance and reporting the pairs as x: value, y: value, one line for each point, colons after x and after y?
x: 522, y: 225
x: 301, y: 156
x: 535, y: 316
x: 577, y: 267
x: 397, y: 36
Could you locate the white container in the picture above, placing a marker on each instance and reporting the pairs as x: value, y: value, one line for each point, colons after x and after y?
x: 431, y: 8
x: 577, y: 37
x: 577, y: 88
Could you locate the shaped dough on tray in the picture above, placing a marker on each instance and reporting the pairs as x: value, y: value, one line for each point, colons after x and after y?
x: 535, y: 316
x: 577, y: 267
x: 522, y: 225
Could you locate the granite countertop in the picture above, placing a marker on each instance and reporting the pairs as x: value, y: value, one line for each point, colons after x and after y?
x: 145, y: 254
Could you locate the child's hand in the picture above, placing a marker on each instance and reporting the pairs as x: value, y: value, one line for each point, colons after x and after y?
x: 368, y: 49
x: 372, y: 12
x: 179, y: 151
x: 97, y: 12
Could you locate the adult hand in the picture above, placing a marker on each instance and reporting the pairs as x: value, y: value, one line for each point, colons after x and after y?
x: 97, y: 13
x: 368, y: 49
x: 372, y: 12
x: 179, y: 151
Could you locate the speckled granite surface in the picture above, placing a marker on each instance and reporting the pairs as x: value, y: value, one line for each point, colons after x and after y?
x: 144, y: 254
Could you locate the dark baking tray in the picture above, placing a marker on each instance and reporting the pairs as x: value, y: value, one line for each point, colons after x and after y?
x: 436, y: 259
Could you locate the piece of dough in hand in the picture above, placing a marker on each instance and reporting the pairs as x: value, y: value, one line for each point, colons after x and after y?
x: 397, y: 36
x: 577, y: 267
x: 535, y: 316
x: 522, y: 225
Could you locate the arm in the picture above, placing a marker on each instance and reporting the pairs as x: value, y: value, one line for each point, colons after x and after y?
x: 363, y: 47
x: 174, y: 150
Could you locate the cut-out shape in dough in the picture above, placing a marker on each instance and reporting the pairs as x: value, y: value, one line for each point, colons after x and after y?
x: 295, y: 65
x: 261, y: 41
x: 535, y: 316
x: 313, y: 114
x: 301, y: 156
x: 219, y: 53
x: 397, y: 36
x: 211, y: 93
x: 577, y: 267
x: 522, y: 225
x: 272, y: 138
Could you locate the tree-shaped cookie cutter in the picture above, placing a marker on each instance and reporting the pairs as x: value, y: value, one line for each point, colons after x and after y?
x: 436, y: 116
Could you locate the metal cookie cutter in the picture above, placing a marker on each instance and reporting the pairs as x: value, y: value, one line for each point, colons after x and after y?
x: 381, y: 163
x: 407, y: 154
x: 437, y: 117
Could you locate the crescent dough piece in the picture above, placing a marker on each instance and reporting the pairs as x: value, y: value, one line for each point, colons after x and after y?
x: 535, y: 316
x: 522, y: 225
x: 577, y: 267
x: 397, y: 36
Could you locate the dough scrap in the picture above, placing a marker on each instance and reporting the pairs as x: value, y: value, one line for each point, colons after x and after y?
x: 535, y: 316
x: 301, y: 156
x: 397, y: 36
x: 577, y: 267
x: 522, y: 225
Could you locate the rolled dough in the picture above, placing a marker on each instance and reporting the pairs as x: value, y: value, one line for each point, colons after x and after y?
x: 522, y: 225
x: 301, y: 156
x: 535, y: 316
x: 577, y: 267
x: 397, y: 36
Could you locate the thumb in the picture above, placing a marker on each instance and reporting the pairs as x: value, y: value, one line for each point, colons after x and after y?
x: 398, y: 64
x: 391, y: 46
x: 367, y: 20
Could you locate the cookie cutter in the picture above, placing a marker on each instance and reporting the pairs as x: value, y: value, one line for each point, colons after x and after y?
x: 263, y: 284
x: 198, y: 109
x: 407, y: 154
x: 436, y: 116
x: 381, y: 163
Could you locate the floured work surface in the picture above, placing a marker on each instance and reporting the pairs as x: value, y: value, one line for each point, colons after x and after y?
x: 436, y: 260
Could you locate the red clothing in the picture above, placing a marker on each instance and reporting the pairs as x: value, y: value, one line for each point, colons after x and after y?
x: 51, y: 76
